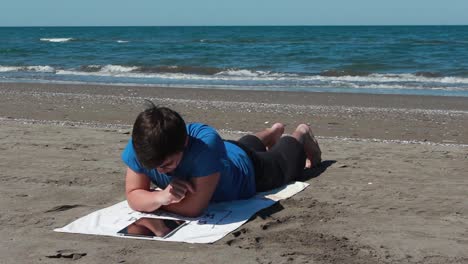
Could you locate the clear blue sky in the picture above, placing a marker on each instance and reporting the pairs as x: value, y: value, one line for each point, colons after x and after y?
x: 234, y: 12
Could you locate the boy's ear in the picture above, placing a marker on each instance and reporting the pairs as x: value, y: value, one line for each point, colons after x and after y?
x: 186, y: 141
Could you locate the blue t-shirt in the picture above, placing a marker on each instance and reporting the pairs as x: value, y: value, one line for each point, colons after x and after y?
x: 205, y: 154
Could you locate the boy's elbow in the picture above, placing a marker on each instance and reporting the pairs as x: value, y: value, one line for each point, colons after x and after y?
x: 134, y: 203
x: 133, y: 206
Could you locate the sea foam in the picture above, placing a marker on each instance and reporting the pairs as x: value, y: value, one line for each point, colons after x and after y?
x: 40, y: 68
x: 276, y: 80
x: 117, y: 68
x: 249, y: 75
x: 56, y: 39
x: 37, y: 68
x: 387, y: 78
x: 107, y: 70
x: 9, y: 68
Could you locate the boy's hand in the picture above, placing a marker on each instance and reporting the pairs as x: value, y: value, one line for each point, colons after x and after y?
x: 176, y: 191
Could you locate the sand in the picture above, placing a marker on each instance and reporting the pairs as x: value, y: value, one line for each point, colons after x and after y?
x: 392, y: 187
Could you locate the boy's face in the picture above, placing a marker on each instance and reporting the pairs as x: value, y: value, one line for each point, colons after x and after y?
x: 171, y: 163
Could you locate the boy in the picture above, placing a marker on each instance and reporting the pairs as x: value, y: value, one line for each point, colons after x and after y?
x: 192, y: 165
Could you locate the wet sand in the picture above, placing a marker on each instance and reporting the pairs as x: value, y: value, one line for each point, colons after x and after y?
x: 392, y: 188
x: 422, y: 118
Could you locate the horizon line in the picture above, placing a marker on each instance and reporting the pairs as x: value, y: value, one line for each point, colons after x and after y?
x: 324, y: 25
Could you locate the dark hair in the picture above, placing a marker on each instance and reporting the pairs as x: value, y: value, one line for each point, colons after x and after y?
x: 158, y: 133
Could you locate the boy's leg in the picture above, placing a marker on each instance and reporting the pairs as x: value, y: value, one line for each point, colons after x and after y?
x: 285, y: 161
x: 304, y: 135
x: 263, y: 140
x: 267, y: 170
x: 271, y: 135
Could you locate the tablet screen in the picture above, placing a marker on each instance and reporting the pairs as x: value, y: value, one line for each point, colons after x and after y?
x: 152, y: 227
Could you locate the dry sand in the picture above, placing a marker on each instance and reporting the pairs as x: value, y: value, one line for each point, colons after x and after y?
x: 392, y: 187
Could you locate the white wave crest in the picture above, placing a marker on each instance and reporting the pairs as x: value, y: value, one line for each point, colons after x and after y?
x: 390, y: 78
x: 107, y: 70
x: 9, y: 68
x: 294, y: 81
x: 117, y: 69
x: 249, y: 74
x: 56, y: 39
x: 399, y: 87
x: 40, y: 68
x: 37, y: 68
x: 241, y: 73
x: 94, y: 66
x: 122, y: 41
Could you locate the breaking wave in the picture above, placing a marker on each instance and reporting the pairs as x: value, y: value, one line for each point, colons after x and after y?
x: 37, y: 68
x: 56, y: 39
x: 268, y: 78
x: 213, y: 77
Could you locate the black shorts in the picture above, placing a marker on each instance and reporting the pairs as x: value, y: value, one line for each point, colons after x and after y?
x: 276, y: 167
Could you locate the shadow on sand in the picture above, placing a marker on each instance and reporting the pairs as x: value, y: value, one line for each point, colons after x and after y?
x: 316, y: 171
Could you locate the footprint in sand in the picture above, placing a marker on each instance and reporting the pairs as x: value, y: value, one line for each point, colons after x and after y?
x: 62, y: 208
x: 67, y: 253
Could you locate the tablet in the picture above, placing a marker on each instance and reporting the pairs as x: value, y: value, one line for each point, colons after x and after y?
x: 152, y: 227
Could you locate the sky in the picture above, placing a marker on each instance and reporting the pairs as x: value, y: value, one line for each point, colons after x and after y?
x: 238, y: 12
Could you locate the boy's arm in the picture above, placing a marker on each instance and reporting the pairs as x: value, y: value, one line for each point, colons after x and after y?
x: 137, y: 190
x: 141, y: 198
x: 195, y: 203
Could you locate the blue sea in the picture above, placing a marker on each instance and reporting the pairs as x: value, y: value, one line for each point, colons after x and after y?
x: 424, y: 60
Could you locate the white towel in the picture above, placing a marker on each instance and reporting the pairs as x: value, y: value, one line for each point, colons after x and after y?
x: 219, y: 219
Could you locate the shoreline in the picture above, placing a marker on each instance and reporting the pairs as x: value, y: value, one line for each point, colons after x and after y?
x: 359, y: 116
x: 326, y: 98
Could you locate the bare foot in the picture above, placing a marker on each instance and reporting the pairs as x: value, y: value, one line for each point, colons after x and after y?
x: 311, y: 146
x: 271, y: 135
x: 277, y: 130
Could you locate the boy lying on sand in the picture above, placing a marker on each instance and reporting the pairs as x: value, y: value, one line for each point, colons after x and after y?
x: 192, y: 165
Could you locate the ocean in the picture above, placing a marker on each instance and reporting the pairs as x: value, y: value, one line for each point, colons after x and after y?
x: 422, y: 60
